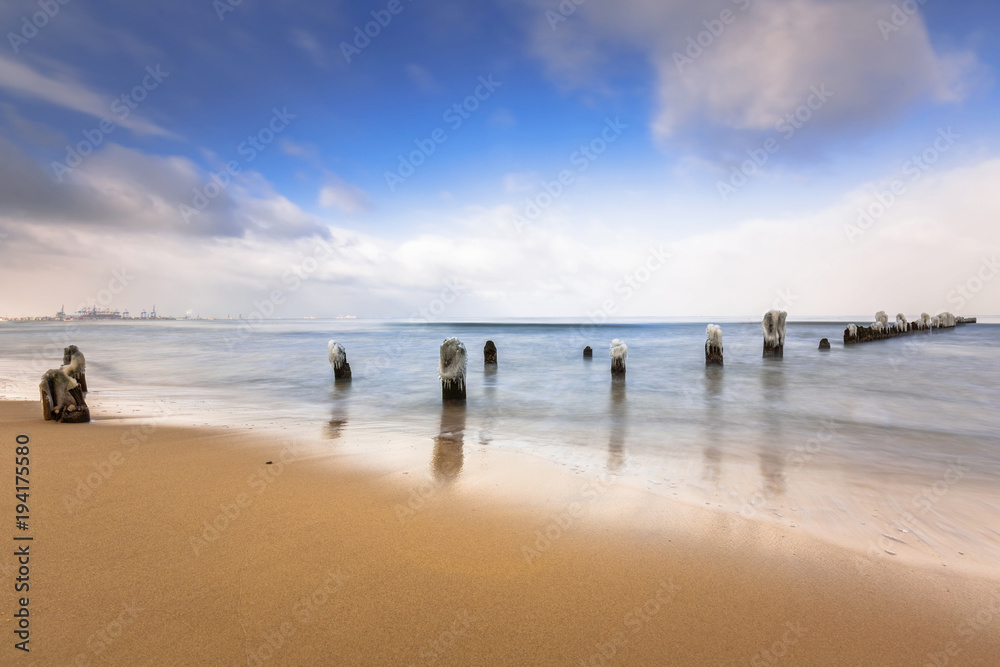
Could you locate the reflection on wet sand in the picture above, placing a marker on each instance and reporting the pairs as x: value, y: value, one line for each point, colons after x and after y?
x: 339, y: 394
x: 448, y: 445
x: 619, y: 425
x: 772, y: 450
x: 712, y: 455
x: 492, y: 418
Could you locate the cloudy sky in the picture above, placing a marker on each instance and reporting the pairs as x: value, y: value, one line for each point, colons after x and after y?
x: 519, y: 158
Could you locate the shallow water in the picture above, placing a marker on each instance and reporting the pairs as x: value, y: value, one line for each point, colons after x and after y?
x: 835, y: 437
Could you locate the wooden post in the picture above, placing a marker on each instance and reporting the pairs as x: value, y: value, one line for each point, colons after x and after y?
x: 338, y: 359
x: 588, y: 353
x: 490, y: 353
x: 46, y: 391
x: 451, y: 369
x: 619, y: 353
x: 774, y: 333
x: 713, y: 345
x: 824, y: 344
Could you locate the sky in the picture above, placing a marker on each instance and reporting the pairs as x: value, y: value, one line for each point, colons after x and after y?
x: 455, y: 160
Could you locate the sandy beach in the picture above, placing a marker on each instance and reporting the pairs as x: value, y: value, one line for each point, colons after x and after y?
x: 166, y: 545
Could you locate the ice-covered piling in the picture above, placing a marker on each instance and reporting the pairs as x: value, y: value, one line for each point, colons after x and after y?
x: 62, y: 398
x: 619, y: 353
x: 880, y: 329
x: 451, y: 369
x: 774, y: 333
x: 75, y: 365
x: 338, y: 359
x: 713, y: 345
x: 490, y: 353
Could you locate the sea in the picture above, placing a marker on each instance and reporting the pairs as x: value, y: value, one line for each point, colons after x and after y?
x: 891, y: 447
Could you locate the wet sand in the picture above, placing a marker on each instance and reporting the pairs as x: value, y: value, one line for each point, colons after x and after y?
x: 167, y: 545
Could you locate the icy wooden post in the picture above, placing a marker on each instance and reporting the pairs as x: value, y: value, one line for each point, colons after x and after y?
x: 451, y: 369
x: 713, y: 345
x: 588, y: 353
x: 338, y: 359
x: 619, y: 352
x: 774, y: 333
x: 902, y: 326
x: 75, y: 365
x: 490, y: 353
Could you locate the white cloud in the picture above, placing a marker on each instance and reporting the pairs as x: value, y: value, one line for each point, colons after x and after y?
x: 761, y: 65
x: 341, y: 195
x: 22, y: 80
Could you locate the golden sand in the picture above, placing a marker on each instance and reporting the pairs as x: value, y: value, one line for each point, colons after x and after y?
x: 183, y: 546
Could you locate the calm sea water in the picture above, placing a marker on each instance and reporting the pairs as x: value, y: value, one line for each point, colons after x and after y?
x: 896, y: 412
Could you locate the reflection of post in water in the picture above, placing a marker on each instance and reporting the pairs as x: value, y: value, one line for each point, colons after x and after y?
x: 492, y: 418
x: 339, y: 395
x: 619, y: 424
x: 712, y: 464
x: 772, y: 448
x: 448, y: 455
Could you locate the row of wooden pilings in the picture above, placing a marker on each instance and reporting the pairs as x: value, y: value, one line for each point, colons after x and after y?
x: 882, y: 328
x: 453, y: 361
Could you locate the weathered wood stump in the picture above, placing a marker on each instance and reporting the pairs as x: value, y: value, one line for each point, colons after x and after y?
x: 338, y: 359
x: 451, y: 369
x: 75, y: 365
x: 773, y: 325
x: 824, y: 344
x: 490, y: 353
x: 62, y: 398
x: 713, y: 345
x: 588, y: 353
x: 619, y: 353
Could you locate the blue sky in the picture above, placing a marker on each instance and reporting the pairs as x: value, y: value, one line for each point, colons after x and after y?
x: 673, y: 99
